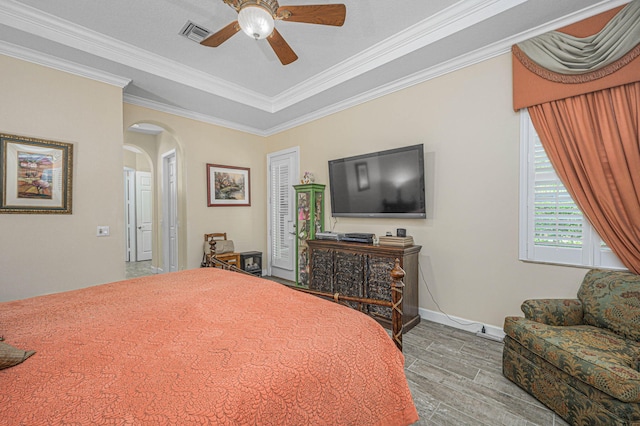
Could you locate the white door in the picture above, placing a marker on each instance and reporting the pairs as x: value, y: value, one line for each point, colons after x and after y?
x: 170, y: 197
x: 129, y: 215
x: 144, y: 216
x: 283, y: 172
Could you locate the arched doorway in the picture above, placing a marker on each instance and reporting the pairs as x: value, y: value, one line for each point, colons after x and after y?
x: 153, y: 238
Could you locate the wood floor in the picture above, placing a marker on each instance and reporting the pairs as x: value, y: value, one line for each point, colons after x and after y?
x: 456, y: 379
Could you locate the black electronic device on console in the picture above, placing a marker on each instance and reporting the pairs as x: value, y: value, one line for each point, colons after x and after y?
x: 359, y: 235
x: 358, y: 238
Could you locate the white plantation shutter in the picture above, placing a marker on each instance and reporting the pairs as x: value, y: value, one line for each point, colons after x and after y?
x: 558, y: 221
x: 552, y: 227
x: 281, y: 253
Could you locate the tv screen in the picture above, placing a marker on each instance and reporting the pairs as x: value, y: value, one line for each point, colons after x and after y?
x: 380, y: 184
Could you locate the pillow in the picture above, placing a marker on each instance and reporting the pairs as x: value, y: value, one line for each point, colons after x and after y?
x: 222, y: 246
x: 10, y: 356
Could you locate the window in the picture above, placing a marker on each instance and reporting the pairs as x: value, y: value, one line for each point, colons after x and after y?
x: 552, y: 228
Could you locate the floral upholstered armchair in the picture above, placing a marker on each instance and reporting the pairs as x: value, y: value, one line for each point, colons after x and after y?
x: 581, y: 357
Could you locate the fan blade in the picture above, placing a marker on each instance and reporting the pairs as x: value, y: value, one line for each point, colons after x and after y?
x: 281, y: 48
x: 216, y: 39
x: 324, y: 14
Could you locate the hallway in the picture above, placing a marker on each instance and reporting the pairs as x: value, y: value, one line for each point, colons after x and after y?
x: 138, y: 269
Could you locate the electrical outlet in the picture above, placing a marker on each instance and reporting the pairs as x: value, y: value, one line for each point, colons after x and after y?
x: 484, y: 334
x: 103, y: 231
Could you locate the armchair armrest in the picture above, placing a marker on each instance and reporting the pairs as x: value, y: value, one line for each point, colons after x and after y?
x: 553, y: 311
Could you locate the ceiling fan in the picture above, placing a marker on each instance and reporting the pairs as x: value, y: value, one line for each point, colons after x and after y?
x: 257, y: 19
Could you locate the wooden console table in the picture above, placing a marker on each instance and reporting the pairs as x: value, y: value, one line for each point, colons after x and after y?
x: 362, y: 270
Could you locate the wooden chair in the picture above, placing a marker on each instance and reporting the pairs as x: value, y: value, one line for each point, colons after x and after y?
x: 211, y: 240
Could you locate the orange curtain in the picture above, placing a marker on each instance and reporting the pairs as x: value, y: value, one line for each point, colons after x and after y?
x: 593, y: 142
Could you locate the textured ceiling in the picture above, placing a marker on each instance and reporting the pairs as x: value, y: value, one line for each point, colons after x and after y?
x: 382, y: 47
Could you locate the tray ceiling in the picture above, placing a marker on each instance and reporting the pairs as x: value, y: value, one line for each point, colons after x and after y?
x: 383, y: 46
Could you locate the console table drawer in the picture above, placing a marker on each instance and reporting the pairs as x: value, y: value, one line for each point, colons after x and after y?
x: 363, y: 270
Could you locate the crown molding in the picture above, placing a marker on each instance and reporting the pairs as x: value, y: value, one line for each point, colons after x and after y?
x: 445, y: 23
x: 455, y: 64
x: 453, y: 19
x: 49, y: 61
x: 479, y: 55
x: 414, y: 37
x: 34, y: 21
x: 181, y: 112
x: 463, y: 61
x: 145, y: 128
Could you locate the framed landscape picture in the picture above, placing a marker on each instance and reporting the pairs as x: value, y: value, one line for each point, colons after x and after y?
x: 228, y: 186
x: 35, y: 175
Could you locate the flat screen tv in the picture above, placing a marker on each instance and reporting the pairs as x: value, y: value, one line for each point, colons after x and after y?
x: 380, y: 184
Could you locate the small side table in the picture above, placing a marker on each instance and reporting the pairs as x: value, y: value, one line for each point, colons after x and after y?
x: 251, y: 261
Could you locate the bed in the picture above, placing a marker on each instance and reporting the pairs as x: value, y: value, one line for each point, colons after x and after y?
x: 204, y: 346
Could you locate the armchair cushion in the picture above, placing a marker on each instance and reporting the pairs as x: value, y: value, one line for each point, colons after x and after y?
x: 611, y: 299
x: 592, y: 355
x: 553, y: 311
x: 573, y: 400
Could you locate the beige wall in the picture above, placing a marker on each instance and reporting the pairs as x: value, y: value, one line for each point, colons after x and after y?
x: 136, y: 161
x: 50, y: 253
x: 197, y: 144
x: 469, y: 257
x: 129, y: 158
x: 146, y: 143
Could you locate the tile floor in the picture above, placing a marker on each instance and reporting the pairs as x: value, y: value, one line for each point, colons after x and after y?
x: 456, y: 379
x: 138, y: 269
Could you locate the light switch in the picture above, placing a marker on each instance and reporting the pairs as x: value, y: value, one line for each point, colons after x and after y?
x: 103, y: 231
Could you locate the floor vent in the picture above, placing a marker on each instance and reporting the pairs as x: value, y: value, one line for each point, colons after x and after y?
x: 194, y: 32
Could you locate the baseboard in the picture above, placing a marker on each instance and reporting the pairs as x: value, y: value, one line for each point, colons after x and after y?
x: 156, y: 270
x: 492, y: 332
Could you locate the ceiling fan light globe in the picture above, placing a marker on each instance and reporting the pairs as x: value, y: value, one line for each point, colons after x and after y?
x: 256, y: 21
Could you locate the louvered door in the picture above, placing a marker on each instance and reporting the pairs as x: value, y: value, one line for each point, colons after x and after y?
x: 282, y: 175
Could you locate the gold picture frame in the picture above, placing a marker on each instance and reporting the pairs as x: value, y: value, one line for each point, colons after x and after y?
x: 36, y: 175
x: 228, y: 186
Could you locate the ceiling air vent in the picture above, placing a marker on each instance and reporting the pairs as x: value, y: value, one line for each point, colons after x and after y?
x: 194, y: 32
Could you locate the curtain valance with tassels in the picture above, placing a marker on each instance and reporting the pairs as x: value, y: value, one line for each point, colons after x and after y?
x: 565, y: 54
x: 559, y: 64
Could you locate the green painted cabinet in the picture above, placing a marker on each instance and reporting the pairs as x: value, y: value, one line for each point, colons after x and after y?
x: 309, y: 221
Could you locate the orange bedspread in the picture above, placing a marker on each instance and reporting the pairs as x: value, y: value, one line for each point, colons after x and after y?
x: 203, y: 347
